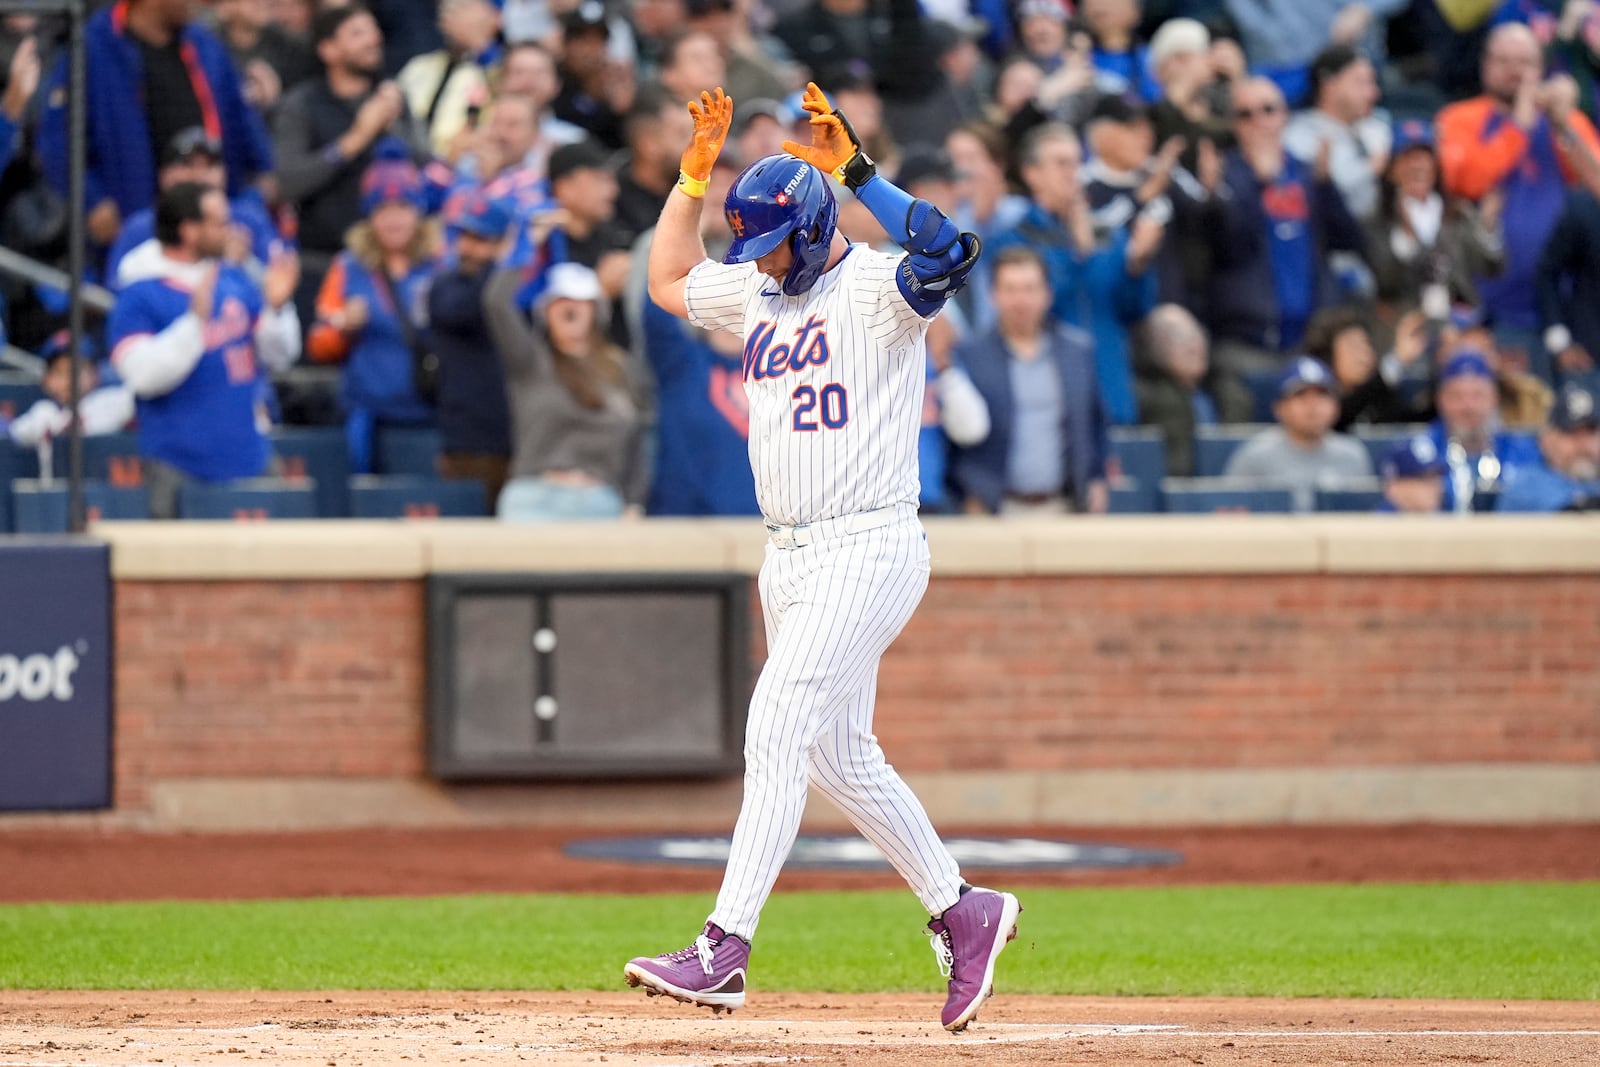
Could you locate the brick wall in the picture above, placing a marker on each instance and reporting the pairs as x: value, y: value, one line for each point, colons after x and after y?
x: 308, y: 678
x: 1261, y: 670
x: 260, y: 678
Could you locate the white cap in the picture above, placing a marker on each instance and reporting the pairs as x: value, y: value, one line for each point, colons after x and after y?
x: 570, y: 281
x: 1175, y: 37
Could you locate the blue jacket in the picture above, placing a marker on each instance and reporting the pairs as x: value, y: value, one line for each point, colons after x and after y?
x: 207, y: 426
x: 702, y: 423
x: 1094, y: 292
x: 980, y: 470
x: 1534, y: 487
x: 121, y: 165
x: 1244, y: 302
x: 1512, y: 450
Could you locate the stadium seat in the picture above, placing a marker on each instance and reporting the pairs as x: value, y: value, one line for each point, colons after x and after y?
x: 320, y: 454
x: 111, y: 457
x: 249, y: 499
x: 1263, y: 386
x: 1192, y: 496
x: 1134, y: 496
x: 17, y: 396
x: 1355, y: 494
x: 403, y: 497
x: 1381, y: 440
x: 407, y: 450
x: 1214, y: 444
x: 43, y: 509
x: 1141, y: 453
x: 15, y: 462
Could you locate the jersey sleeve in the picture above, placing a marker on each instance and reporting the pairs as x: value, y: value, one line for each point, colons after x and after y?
x: 892, y: 321
x: 716, y: 295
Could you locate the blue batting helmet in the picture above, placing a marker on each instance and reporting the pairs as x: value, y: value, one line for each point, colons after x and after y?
x: 775, y: 197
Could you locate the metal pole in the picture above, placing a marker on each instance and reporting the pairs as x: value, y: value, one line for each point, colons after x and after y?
x: 77, y: 232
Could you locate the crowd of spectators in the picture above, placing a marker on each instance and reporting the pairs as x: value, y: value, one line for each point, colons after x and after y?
x: 1339, y: 216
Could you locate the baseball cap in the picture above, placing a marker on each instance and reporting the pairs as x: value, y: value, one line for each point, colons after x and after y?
x: 1114, y: 107
x: 1415, y: 458
x: 485, y: 217
x: 1465, y: 364
x: 750, y: 110
x: 922, y: 163
x: 580, y: 155
x: 191, y: 141
x: 59, y: 344
x: 942, y: 34
x: 588, y: 16
x: 852, y: 76
x: 1574, y: 409
x: 570, y: 281
x: 1178, y: 37
x: 1305, y: 373
x: 1412, y: 133
x: 1048, y: 8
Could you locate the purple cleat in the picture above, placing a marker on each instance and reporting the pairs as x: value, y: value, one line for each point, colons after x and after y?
x: 967, y: 939
x: 709, y: 972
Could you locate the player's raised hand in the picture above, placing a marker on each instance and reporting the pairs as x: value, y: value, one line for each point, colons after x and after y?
x: 833, y: 140
x: 713, y: 117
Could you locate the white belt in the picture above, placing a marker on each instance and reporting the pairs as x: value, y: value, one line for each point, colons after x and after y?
x: 807, y: 533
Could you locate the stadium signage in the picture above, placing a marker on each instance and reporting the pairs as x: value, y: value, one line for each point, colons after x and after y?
x: 55, y: 675
x: 39, y: 677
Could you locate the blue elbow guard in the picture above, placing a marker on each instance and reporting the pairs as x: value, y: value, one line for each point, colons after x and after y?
x: 928, y: 281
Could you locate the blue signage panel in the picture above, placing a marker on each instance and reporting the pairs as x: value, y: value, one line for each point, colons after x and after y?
x: 55, y: 675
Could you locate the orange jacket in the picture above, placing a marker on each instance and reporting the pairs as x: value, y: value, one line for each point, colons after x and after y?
x: 1474, y: 161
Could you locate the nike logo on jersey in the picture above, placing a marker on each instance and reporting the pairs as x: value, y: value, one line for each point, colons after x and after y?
x: 763, y: 359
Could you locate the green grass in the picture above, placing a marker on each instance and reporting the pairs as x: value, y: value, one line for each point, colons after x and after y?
x: 1507, y: 940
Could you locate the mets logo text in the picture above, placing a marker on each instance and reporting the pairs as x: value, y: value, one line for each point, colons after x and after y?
x: 763, y: 359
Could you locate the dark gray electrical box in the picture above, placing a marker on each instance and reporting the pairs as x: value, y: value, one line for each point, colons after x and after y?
x: 536, y: 676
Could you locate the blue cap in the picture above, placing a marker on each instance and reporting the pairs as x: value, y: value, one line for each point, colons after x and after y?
x: 1574, y: 409
x: 1417, y: 458
x: 1463, y: 364
x: 484, y: 217
x: 1412, y: 133
x: 1306, y: 373
x: 60, y: 344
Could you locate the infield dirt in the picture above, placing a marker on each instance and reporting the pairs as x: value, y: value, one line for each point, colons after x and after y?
x: 627, y: 1030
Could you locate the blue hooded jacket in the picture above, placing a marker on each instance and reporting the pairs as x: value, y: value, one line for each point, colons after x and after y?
x: 121, y: 163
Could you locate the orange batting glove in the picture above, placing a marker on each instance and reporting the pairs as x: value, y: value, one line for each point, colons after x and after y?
x: 834, y: 147
x: 713, y: 117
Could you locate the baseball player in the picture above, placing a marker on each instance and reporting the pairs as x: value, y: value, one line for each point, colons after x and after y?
x: 833, y: 366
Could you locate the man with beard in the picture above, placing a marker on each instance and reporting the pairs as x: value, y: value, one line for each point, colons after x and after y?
x: 327, y: 131
x: 1568, y: 473
x: 193, y: 341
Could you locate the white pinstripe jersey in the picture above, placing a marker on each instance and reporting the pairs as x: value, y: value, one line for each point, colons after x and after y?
x: 835, y: 380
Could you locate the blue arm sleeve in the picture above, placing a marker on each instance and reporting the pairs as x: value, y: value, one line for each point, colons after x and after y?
x: 915, y: 225
x: 939, y: 255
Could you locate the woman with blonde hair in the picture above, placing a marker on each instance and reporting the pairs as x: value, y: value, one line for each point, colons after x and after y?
x: 576, y: 418
x: 372, y: 310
